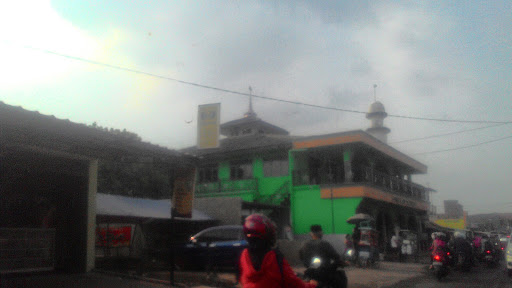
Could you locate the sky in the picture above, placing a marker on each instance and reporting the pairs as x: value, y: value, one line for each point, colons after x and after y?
x: 448, y: 60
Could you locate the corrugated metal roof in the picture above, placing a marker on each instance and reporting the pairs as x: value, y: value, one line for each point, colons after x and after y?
x: 253, y: 121
x: 245, y: 143
x: 116, y: 205
x: 20, y: 127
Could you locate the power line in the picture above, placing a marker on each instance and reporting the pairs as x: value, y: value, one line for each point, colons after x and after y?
x: 253, y: 95
x: 464, y: 147
x: 447, y: 134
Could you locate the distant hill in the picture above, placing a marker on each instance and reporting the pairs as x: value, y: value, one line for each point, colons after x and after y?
x: 486, y: 217
x: 491, y: 222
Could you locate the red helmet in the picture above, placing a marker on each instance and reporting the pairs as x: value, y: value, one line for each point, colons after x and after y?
x: 259, y: 226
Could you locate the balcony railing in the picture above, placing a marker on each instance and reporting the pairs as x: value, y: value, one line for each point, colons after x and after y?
x: 316, y: 176
x: 394, y: 184
x: 227, y: 187
x: 367, y: 175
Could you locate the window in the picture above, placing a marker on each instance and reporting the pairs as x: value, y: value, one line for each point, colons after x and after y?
x: 208, y: 175
x: 275, y: 168
x: 241, y: 171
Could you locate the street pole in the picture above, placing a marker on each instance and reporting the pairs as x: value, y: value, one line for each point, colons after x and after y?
x: 172, y: 256
x: 332, y: 213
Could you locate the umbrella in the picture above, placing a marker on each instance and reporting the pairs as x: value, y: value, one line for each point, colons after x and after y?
x: 359, y: 218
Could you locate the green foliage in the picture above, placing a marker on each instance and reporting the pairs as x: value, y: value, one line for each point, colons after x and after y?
x: 137, y: 179
x: 119, y: 133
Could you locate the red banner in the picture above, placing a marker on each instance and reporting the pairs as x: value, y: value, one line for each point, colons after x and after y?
x: 116, y: 236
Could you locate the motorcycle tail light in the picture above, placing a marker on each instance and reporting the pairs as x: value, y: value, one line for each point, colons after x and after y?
x: 448, y: 253
x: 488, y: 251
x: 437, y: 258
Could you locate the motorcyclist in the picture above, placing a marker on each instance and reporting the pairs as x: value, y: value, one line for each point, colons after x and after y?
x: 318, y: 247
x: 262, y: 266
x: 462, y: 246
x: 327, y: 272
x: 438, y: 245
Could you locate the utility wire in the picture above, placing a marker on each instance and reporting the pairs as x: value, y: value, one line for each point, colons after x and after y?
x: 253, y: 95
x: 447, y: 134
x: 464, y: 147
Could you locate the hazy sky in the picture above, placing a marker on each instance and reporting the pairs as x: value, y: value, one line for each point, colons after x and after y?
x: 439, y: 59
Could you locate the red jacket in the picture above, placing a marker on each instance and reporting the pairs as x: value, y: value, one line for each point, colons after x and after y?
x: 269, y: 275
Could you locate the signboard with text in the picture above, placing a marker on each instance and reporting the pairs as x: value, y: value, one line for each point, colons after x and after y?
x: 452, y: 223
x: 113, y: 236
x: 208, y: 125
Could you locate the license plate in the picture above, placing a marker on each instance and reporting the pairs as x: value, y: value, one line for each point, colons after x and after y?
x: 364, y: 254
x: 488, y: 257
x: 437, y: 264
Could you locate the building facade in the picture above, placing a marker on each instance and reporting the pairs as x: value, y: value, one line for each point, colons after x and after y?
x: 321, y: 179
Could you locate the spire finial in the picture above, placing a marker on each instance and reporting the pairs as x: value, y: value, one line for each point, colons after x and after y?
x: 250, y: 112
x: 375, y: 92
x: 250, y: 100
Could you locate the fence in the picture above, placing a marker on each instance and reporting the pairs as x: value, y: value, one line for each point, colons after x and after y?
x: 27, y: 249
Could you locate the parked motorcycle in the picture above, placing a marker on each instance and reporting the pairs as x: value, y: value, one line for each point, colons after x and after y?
x: 440, y: 264
x: 368, y: 256
x: 327, y: 272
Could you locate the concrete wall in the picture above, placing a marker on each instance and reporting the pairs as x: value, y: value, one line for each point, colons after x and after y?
x: 227, y: 210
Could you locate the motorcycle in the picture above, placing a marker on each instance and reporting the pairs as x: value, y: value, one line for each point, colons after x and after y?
x: 368, y: 256
x: 440, y: 263
x: 368, y: 248
x: 326, y: 272
x: 463, y: 262
x: 349, y: 256
x: 491, y: 257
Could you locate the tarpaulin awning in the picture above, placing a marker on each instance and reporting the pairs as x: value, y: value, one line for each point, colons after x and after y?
x: 123, y: 206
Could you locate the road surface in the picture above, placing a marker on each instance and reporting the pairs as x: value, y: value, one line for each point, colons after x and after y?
x: 480, y: 276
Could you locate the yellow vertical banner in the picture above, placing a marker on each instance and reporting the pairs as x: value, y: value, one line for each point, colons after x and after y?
x: 208, y: 123
x: 183, y: 193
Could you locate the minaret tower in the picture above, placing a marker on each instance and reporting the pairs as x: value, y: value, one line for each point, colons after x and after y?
x: 376, y: 115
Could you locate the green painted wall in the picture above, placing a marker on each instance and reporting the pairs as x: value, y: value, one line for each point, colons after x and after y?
x: 257, y: 168
x: 308, y: 209
x: 267, y: 185
x: 224, y: 171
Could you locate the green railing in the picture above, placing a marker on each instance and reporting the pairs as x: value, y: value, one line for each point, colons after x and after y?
x: 227, y: 187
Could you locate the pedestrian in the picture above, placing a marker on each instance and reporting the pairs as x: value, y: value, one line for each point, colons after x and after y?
x: 262, y: 266
x: 395, y: 246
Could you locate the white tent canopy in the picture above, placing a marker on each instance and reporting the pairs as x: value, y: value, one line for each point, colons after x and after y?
x: 115, y: 205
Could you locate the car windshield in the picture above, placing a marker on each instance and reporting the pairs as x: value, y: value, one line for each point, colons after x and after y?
x: 219, y: 234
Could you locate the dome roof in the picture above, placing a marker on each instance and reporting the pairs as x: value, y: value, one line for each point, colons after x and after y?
x: 377, y: 107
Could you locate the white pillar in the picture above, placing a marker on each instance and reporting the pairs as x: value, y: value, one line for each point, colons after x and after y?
x: 91, y: 214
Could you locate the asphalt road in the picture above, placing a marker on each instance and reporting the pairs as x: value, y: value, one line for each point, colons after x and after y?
x: 480, y: 276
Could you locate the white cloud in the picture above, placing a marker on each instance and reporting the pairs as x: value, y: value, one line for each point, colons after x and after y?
x: 29, y: 23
